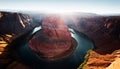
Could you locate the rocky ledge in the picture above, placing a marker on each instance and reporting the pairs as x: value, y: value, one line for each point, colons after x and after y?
x: 107, y: 61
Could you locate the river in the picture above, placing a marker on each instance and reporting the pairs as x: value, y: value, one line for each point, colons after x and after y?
x: 72, y: 62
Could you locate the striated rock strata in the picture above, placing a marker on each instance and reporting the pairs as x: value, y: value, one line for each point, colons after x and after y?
x: 107, y: 61
x: 53, y: 40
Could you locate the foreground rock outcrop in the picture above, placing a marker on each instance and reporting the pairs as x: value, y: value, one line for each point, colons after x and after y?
x: 108, y: 61
x: 115, y: 64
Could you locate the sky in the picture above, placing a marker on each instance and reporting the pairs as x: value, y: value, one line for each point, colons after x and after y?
x: 62, y: 6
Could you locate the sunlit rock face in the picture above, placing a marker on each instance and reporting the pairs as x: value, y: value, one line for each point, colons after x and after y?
x: 53, y: 40
x: 107, y: 61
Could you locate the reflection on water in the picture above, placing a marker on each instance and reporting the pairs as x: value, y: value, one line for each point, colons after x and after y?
x: 83, y: 46
x: 36, y: 29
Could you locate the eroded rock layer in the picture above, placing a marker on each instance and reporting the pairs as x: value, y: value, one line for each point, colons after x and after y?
x: 54, y: 38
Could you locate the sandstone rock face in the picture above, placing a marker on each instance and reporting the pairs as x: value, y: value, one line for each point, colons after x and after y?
x: 108, y: 61
x: 104, y: 30
x: 1, y: 14
x: 13, y: 23
x: 115, y: 64
x: 53, y: 40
